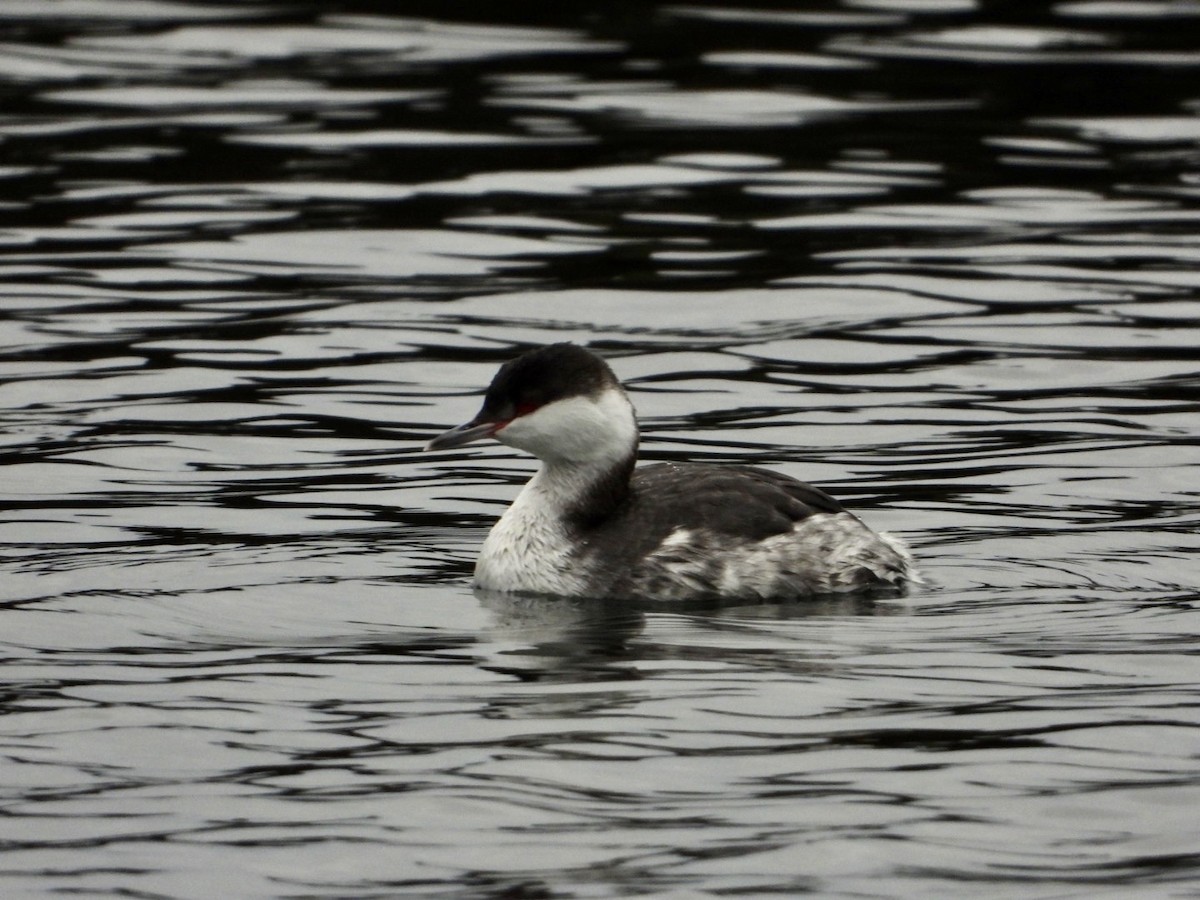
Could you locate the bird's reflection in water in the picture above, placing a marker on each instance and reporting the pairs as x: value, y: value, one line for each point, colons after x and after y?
x: 562, y: 638
x: 541, y: 638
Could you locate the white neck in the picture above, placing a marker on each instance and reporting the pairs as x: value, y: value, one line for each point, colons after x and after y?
x: 582, y: 442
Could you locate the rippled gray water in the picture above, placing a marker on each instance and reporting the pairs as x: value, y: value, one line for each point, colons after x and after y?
x: 939, y: 258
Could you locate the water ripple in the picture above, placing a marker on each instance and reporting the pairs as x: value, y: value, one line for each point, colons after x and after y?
x: 934, y: 257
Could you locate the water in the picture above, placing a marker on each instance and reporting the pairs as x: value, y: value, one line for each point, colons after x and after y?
x: 939, y: 258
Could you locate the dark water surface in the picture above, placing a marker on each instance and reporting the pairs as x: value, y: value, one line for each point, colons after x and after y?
x: 941, y: 258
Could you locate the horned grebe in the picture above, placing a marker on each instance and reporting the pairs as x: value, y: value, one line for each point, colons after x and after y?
x: 589, y: 524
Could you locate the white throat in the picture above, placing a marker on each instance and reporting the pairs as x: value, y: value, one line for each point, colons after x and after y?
x: 579, y: 440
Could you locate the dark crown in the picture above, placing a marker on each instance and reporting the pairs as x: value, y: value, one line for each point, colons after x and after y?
x: 547, y: 374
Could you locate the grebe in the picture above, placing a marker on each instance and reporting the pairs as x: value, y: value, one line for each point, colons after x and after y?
x: 590, y: 524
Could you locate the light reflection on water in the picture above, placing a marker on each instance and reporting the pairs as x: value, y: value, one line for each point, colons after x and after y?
x: 938, y: 260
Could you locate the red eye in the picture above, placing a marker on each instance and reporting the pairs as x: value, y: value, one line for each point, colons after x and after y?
x: 526, y: 406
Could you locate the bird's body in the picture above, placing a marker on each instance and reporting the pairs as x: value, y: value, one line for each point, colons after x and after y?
x: 590, y: 523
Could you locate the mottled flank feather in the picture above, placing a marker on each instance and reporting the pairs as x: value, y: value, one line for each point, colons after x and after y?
x: 737, y: 532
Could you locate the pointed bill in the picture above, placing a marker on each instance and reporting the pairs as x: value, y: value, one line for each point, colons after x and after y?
x: 462, y: 435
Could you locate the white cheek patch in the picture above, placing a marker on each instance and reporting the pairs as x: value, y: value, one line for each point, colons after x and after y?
x: 576, y: 429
